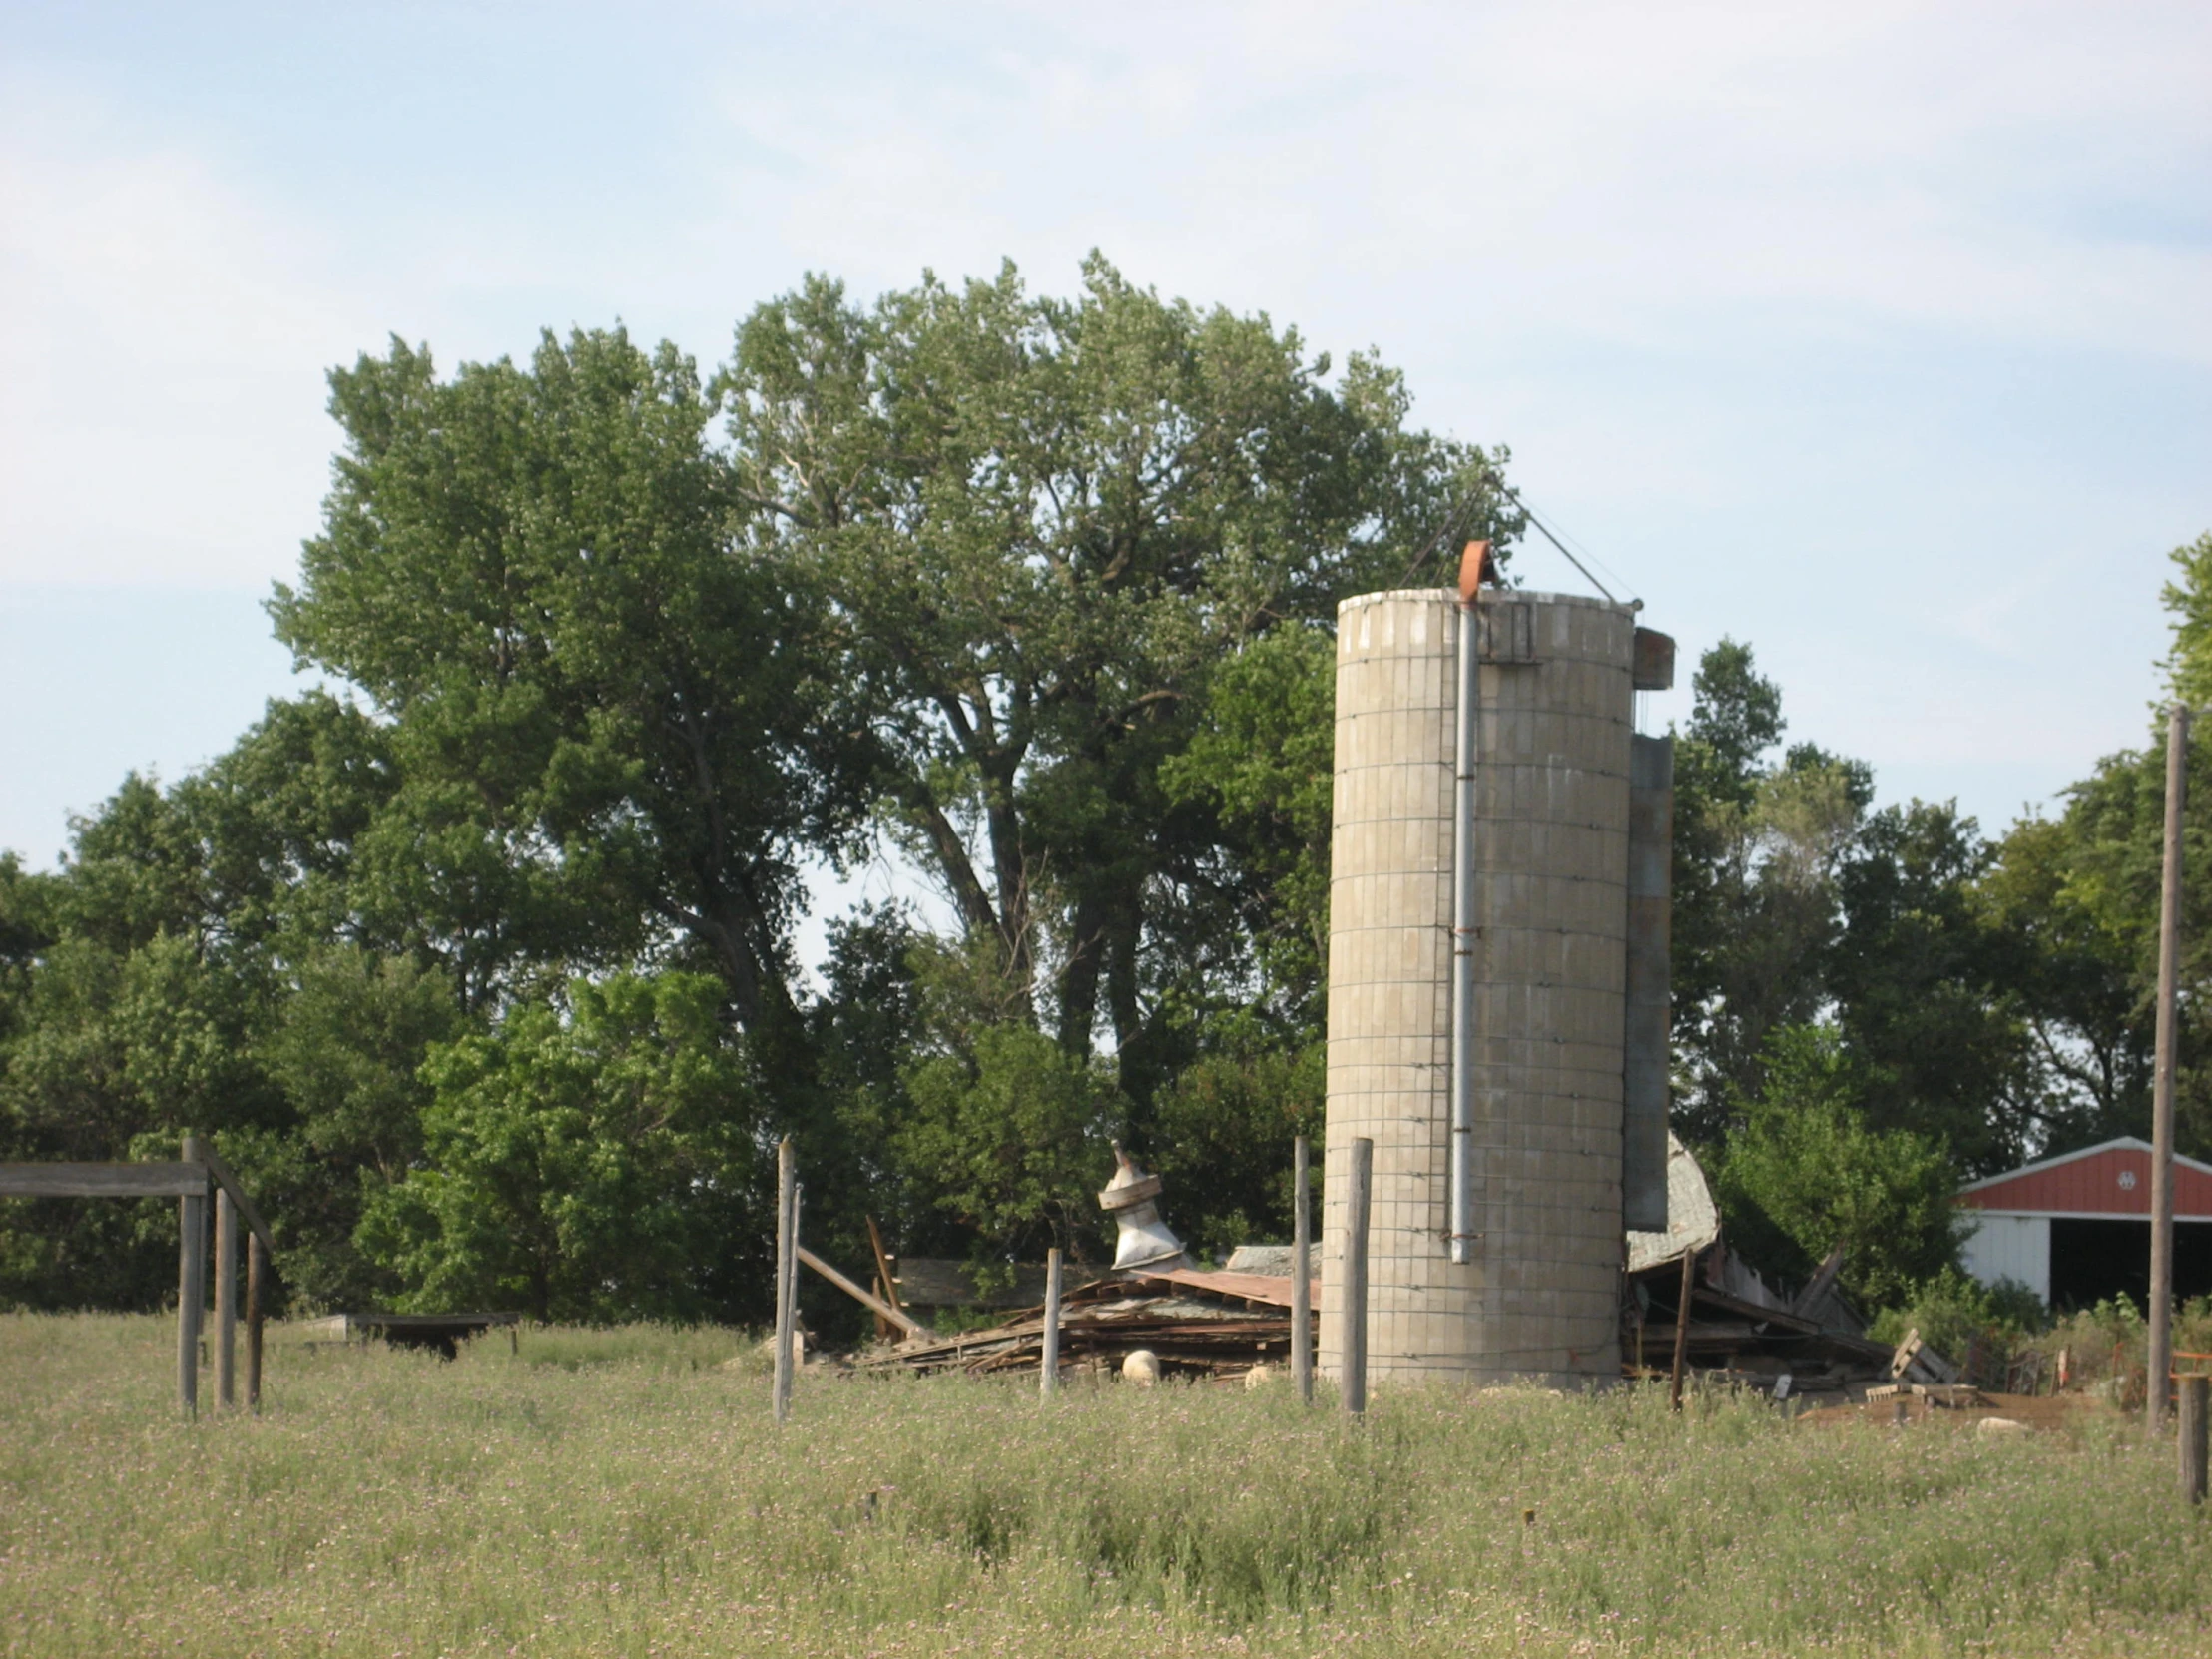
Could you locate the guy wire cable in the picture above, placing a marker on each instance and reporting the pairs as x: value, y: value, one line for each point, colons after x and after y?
x: 1514, y: 496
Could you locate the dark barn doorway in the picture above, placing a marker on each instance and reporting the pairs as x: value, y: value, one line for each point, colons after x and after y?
x: 2092, y: 1261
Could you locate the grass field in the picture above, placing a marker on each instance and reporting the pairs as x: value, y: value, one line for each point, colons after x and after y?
x: 624, y: 1492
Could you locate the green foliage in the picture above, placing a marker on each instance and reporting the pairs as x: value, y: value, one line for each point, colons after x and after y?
x: 2078, y: 895
x: 614, y: 725
x: 1011, y: 1136
x: 1224, y: 1133
x: 1795, y: 901
x: 1953, y: 1311
x: 2189, y: 601
x: 1807, y: 1171
x: 1261, y: 756
x: 583, y: 1161
x: 1927, y: 990
x: 1756, y: 843
x: 1047, y: 520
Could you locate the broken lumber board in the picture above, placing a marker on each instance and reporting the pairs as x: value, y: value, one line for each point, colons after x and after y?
x: 898, y: 1316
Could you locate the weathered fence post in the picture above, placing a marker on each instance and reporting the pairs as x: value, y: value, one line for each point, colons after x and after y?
x: 226, y: 1299
x: 257, y: 1278
x: 1357, y: 1193
x: 1302, y: 1273
x: 1682, y: 1330
x: 787, y: 1272
x: 1048, y: 1376
x: 192, y: 1284
x: 2196, y: 1393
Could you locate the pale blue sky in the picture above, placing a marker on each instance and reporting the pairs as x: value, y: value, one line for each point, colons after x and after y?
x: 1879, y: 336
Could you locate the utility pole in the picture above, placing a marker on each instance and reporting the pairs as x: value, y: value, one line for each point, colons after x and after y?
x: 2162, y: 1081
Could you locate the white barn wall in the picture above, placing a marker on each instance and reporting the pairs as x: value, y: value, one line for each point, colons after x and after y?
x: 2010, y: 1247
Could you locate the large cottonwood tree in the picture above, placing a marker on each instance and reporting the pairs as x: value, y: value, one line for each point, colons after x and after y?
x: 616, y: 713
x: 1042, y: 523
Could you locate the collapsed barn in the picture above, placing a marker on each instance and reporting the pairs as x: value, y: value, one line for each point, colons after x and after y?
x: 1234, y: 1323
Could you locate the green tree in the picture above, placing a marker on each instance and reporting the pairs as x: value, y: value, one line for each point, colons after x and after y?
x: 1010, y: 1136
x: 615, y: 719
x: 173, y: 969
x: 2077, y: 977
x: 1225, y: 1134
x: 1757, y: 841
x: 1260, y: 757
x: 1807, y: 1171
x: 589, y: 1166
x: 1042, y: 521
x: 1928, y: 991
x: 2189, y: 601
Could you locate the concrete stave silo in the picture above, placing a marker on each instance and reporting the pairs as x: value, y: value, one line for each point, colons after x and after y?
x: 1539, y: 1295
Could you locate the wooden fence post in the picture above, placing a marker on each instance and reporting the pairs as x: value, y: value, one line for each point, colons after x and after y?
x: 226, y: 1299
x: 2196, y: 1393
x: 191, y: 1284
x: 257, y: 1289
x: 1302, y: 1272
x: 1358, y: 1193
x: 1048, y: 1376
x: 1682, y: 1330
x: 787, y: 1272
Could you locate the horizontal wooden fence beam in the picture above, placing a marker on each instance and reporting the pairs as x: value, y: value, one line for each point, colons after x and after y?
x: 179, y: 1180
x: 161, y: 1180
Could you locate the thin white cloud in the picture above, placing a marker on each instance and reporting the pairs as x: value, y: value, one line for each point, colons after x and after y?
x: 1597, y: 172
x: 1814, y: 322
x: 160, y: 371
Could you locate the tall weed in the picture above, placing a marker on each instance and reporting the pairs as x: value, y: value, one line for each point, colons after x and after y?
x: 625, y: 1492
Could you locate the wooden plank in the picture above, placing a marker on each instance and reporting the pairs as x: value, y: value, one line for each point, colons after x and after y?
x: 256, y: 1274
x: 944, y: 1282
x: 1682, y: 1330
x: 230, y: 1184
x: 886, y: 1282
x: 2196, y: 1393
x: 424, y: 1322
x: 177, y: 1180
x: 898, y: 1316
x: 1048, y: 1363
x: 1302, y: 1273
x: 1817, y: 1286
x: 226, y: 1299
x: 787, y: 1236
x: 1354, y: 1336
x: 192, y: 1282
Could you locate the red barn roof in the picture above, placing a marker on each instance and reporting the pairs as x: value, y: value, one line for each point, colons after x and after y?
x: 2109, y: 1180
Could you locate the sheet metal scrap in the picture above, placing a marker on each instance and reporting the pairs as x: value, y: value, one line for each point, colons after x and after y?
x: 1198, y: 1323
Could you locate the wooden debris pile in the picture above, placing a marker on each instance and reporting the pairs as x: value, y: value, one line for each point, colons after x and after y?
x: 1749, y: 1340
x: 1199, y: 1324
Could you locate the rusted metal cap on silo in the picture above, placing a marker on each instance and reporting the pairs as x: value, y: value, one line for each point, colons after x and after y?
x: 1474, y: 570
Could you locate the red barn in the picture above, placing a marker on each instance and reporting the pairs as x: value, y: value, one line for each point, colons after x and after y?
x: 2077, y: 1229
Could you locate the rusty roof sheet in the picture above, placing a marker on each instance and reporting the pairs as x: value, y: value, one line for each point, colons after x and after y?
x: 1274, y: 1290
